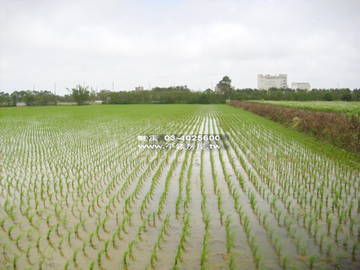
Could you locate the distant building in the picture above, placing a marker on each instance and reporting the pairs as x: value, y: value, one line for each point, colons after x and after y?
x: 301, y: 85
x: 139, y: 88
x: 267, y: 81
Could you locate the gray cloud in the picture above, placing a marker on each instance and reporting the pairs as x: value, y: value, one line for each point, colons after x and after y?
x: 170, y: 42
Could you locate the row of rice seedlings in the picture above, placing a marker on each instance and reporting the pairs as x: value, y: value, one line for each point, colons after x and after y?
x: 59, y: 218
x: 315, y: 231
x: 120, y: 228
x: 129, y: 255
x: 159, y: 209
x: 163, y: 198
x: 155, y: 180
x: 181, y: 247
x: 205, y: 213
x: 138, y: 187
x: 320, y: 190
x: 168, y: 178
x: 310, y: 223
x: 95, y: 206
x: 101, y: 225
x: 283, y: 260
x: 154, y: 254
x: 160, y: 239
x: 257, y: 184
x: 244, y: 220
x: 179, y: 199
x: 216, y: 189
x: 283, y: 145
x: 185, y: 231
x: 230, y: 243
x: 127, y: 208
x: 151, y: 219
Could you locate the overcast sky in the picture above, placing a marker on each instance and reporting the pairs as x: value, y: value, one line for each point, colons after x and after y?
x: 177, y: 42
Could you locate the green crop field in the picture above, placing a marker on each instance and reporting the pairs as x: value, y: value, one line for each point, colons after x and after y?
x: 348, y: 108
x: 77, y: 191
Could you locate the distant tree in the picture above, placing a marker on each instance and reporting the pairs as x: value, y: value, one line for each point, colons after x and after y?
x: 14, y: 98
x: 5, y: 99
x: 224, y: 86
x: 93, y: 95
x: 356, y: 94
x: 328, y: 97
x: 29, y: 99
x: 80, y: 94
x: 37, y: 98
x: 346, y: 97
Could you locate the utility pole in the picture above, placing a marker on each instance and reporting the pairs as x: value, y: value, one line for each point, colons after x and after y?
x: 113, y: 86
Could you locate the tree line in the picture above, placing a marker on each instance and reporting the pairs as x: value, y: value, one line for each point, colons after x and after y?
x: 175, y: 94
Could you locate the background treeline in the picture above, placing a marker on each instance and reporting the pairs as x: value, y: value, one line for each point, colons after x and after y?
x: 344, y: 94
x: 173, y: 95
x: 159, y: 95
x: 176, y: 94
x: 28, y: 97
x: 162, y: 95
x: 38, y: 98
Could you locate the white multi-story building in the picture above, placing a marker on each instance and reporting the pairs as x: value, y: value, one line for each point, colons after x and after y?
x: 267, y: 81
x: 301, y: 85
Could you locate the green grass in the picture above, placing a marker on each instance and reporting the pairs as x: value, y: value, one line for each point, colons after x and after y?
x: 348, y: 108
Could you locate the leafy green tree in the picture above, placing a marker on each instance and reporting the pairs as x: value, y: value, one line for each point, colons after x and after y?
x: 80, y: 94
x: 5, y: 99
x: 224, y: 86
x: 29, y: 99
x: 356, y: 95
x: 328, y: 97
x: 93, y: 95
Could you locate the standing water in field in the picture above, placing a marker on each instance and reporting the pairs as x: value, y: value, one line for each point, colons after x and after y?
x: 78, y: 192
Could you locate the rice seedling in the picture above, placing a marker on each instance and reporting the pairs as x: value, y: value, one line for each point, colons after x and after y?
x: 312, y: 261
